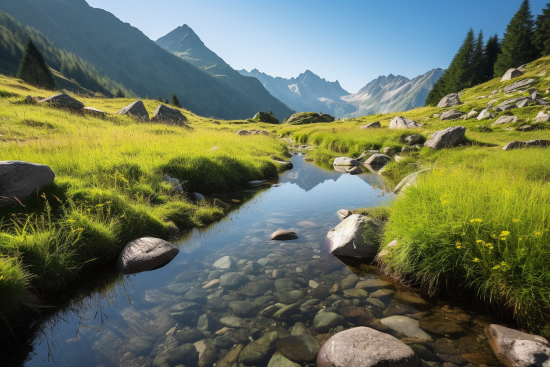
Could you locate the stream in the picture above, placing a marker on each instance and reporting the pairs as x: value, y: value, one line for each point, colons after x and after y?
x: 153, y: 318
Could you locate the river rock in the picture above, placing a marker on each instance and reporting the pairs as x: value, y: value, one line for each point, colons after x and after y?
x: 285, y: 284
x: 439, y: 325
x: 299, y: 348
x: 179, y: 288
x: 366, y: 347
x: 231, y: 321
x: 343, y: 214
x: 355, y: 236
x: 19, y: 179
x: 400, y: 122
x: 521, y: 84
x: 324, y: 321
x: 233, y: 280
x: 231, y: 357
x: 451, y: 115
x: 372, y: 125
x: 265, y: 117
x: 287, y: 311
x: 64, y: 100
x: 278, y: 360
x: 169, y: 115
x: 411, y: 299
x: 526, y: 144
x: 207, y: 355
x: 377, y: 160
x: 484, y: 114
x: 196, y: 295
x: 371, y: 285
x: 356, y: 293
x: 259, y: 351
x: 406, y: 326
x: 517, y: 349
x: 225, y: 263
x: 186, y: 354
x: 383, y: 294
x: 283, y: 235
x: 243, y: 308
x: 505, y: 120
x: 450, y: 100
x: 287, y: 297
x: 146, y: 253
x: 257, y: 287
x: 136, y: 109
x: 349, y: 282
x: 345, y: 161
x: 357, y: 315
x: 511, y: 74
x: 447, y: 138
x: 188, y: 336
x: 413, y: 139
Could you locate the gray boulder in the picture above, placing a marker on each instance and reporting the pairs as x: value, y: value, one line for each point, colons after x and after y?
x: 169, y: 115
x: 521, y: 84
x: 542, y: 117
x: 511, y: 74
x: 64, y: 100
x: 400, y: 122
x: 484, y: 114
x: 225, y: 263
x: 451, y: 115
x: 518, y: 349
x: 450, y: 137
x: 526, y: 144
x: 413, y: 139
x: 309, y: 118
x: 378, y: 160
x: 366, y: 347
x: 135, y: 109
x: 472, y: 114
x: 146, y: 253
x: 265, y: 117
x: 355, y: 236
x: 252, y: 132
x: 406, y: 326
x: 345, y: 161
x: 450, y: 100
x: 94, y: 112
x: 20, y: 180
x: 372, y: 125
x: 505, y: 119
x: 174, y: 182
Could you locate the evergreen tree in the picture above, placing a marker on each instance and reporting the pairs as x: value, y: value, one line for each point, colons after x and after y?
x: 478, y: 62
x: 34, y: 70
x: 490, y: 55
x: 120, y: 93
x: 160, y: 99
x: 175, y: 100
x: 517, y: 44
x: 541, y: 37
x: 166, y: 101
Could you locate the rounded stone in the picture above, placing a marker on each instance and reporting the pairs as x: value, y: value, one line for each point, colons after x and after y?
x: 146, y: 253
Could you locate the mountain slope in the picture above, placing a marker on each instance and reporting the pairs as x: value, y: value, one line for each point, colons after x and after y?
x: 185, y: 43
x: 126, y: 55
x: 392, y: 93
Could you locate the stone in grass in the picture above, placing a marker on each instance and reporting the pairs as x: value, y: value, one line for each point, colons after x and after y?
x: 94, y: 112
x: 517, y: 349
x: 526, y: 144
x: 511, y: 74
x: 451, y: 115
x: 169, y: 115
x: 522, y: 84
x: 283, y: 235
x: 146, y: 253
x: 377, y: 160
x: 542, y: 117
x: 450, y: 100
x: 372, y: 125
x: 447, y: 138
x: 355, y: 236
x: 505, y: 120
x: 366, y: 347
x: 413, y: 139
x: 408, y: 181
x: 345, y: 161
x: 265, y: 117
x: 19, y: 180
x: 400, y: 122
x: 135, y: 109
x: 64, y: 100
x: 484, y: 114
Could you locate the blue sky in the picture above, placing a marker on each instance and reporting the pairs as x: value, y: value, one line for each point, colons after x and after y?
x: 351, y: 41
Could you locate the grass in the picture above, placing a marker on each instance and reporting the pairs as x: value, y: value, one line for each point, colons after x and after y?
x: 109, y: 185
x: 477, y: 225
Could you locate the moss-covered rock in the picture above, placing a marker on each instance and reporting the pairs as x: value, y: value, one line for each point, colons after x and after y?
x: 309, y: 118
x: 265, y: 117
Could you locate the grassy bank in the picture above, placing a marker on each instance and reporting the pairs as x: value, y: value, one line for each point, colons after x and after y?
x: 477, y: 223
x: 108, y: 188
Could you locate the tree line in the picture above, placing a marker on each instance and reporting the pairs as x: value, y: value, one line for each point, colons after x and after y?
x: 476, y: 61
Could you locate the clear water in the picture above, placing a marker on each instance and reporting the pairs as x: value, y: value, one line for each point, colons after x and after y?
x: 136, y: 319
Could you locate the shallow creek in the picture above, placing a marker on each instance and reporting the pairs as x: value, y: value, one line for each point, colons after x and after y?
x: 153, y: 318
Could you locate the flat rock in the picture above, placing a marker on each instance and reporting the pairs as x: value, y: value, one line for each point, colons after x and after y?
x: 243, y: 308
x: 135, y: 109
x: 450, y: 100
x: 19, y: 179
x: 278, y: 360
x: 345, y: 161
x: 169, y: 115
x: 299, y: 348
x: 372, y: 125
x: 526, y: 144
x: 231, y: 357
x: 451, y: 115
x: 505, y: 120
x: 517, y: 349
x: 355, y: 236
x: 283, y: 235
x: 324, y: 321
x: 400, y: 122
x: 225, y: 263
x: 146, y: 253
x: 521, y: 84
x: 94, y: 112
x: 447, y: 138
x: 371, y: 285
x: 484, y: 114
x: 377, y: 160
x: 356, y: 293
x: 231, y: 321
x: 287, y: 297
x: 233, y: 280
x: 406, y: 326
x: 439, y: 325
x: 511, y: 74
x: 366, y: 347
x: 65, y: 101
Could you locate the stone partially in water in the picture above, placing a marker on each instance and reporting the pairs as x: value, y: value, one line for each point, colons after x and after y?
x: 324, y: 321
x: 146, y: 253
x: 365, y: 347
x: 372, y: 285
x: 243, y: 308
x: 283, y: 235
x: 441, y: 326
x: 259, y: 350
x: 405, y: 326
x: 301, y: 348
x: 355, y: 236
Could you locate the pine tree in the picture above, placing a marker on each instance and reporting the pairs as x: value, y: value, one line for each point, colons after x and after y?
x: 478, y: 62
x: 120, y: 93
x: 166, y: 101
x: 160, y: 99
x: 517, y: 44
x: 541, y: 37
x: 490, y: 55
x: 175, y: 100
x: 33, y: 68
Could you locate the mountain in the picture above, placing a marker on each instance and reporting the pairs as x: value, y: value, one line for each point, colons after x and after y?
x: 308, y: 92
x: 124, y: 54
x: 392, y: 93
x: 186, y: 44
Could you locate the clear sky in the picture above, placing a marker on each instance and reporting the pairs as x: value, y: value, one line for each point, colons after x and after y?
x: 352, y: 41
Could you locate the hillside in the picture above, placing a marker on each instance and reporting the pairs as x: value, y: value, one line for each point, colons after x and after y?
x: 185, y: 43
x: 126, y: 55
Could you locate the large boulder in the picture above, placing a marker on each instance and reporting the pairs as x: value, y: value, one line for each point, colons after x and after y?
x: 265, y: 117
x: 135, y: 109
x: 484, y: 114
x: 521, y: 84
x: 355, y: 236
x: 400, y: 122
x: 451, y: 115
x: 169, y: 115
x: 64, y: 100
x: 542, y: 117
x: 372, y: 125
x: 526, y: 144
x: 517, y: 349
x: 413, y: 139
x: 146, y: 253
x: 309, y: 118
x: 19, y: 180
x: 505, y: 119
x: 511, y: 74
x: 94, y: 112
x: 345, y: 161
x: 449, y: 137
x: 450, y: 100
x: 377, y: 160
x: 366, y: 347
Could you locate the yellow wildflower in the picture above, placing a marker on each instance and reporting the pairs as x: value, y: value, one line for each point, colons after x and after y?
x: 443, y: 202
x: 71, y: 220
x: 476, y: 260
x: 515, y: 220
x: 538, y: 233
x: 99, y: 205
x: 458, y: 247
x: 504, y: 233
x: 476, y: 220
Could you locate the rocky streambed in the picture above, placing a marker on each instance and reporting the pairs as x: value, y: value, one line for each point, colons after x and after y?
x: 234, y: 297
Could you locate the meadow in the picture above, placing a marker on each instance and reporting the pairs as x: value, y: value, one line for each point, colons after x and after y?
x: 109, y: 186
